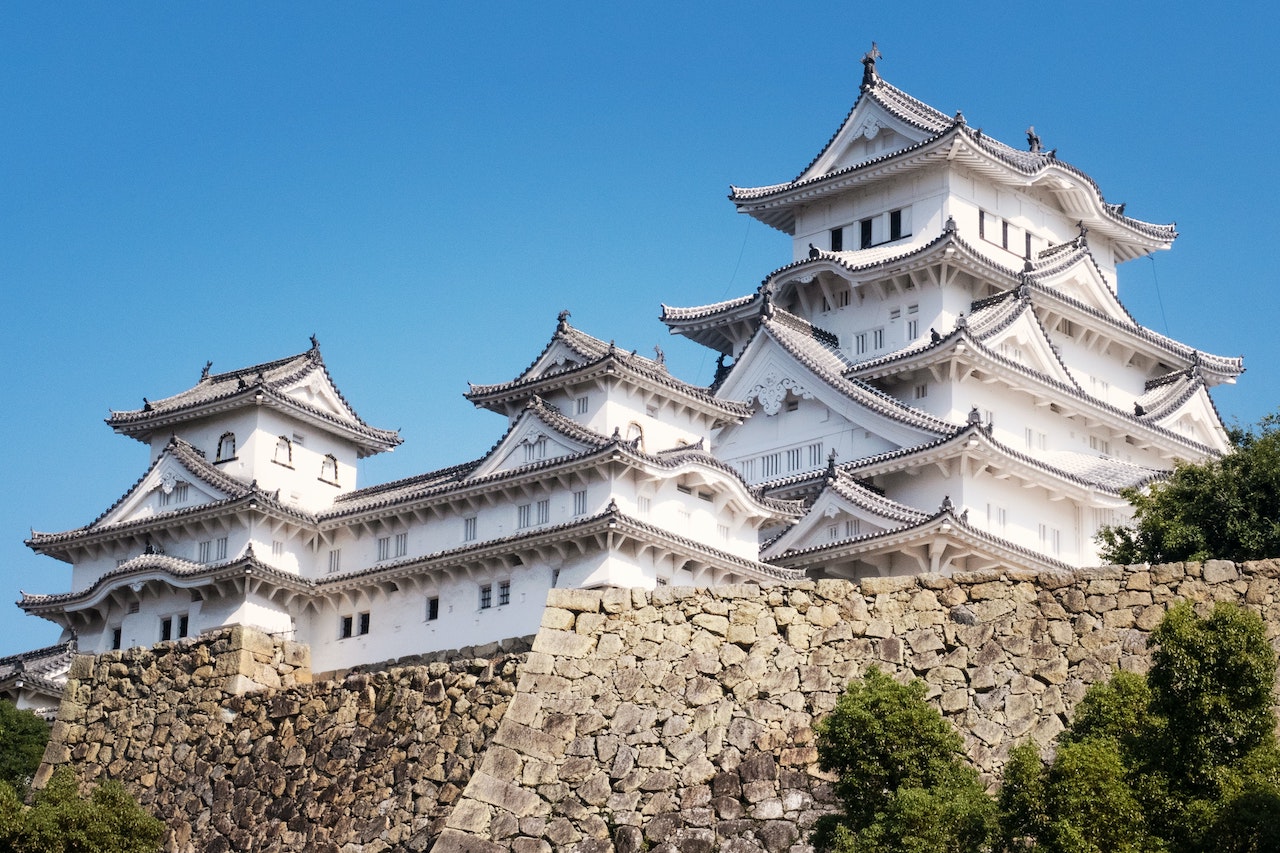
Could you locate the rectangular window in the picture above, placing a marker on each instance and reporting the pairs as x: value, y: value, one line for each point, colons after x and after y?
x: 1004, y: 235
x: 771, y: 464
x: 860, y: 343
x: 842, y: 298
x: 833, y: 532
x: 433, y: 608
x: 1050, y: 539
x: 504, y: 593
x: 748, y: 469
x: 922, y: 391
x: 837, y: 239
x: 117, y: 637
x: 643, y: 506
x: 335, y: 560
x: 1028, y: 252
x: 895, y: 225
x: 853, y: 527
x: 364, y: 623
x: 864, y: 229
x: 180, y: 492
x: 684, y: 517
x: 220, y: 549
x: 469, y: 529
x: 277, y: 548
x: 793, y: 459
x: 524, y: 516
x: 877, y: 339
x: 184, y: 623
x: 895, y: 314
x: 486, y: 596
x: 203, y: 550
x: 544, y: 510
x: 384, y: 548
x: 580, y: 406
x: 723, y: 530
x: 164, y: 497
x: 997, y: 517
x: 402, y: 544
x: 166, y: 629
x: 580, y: 502
x: 346, y: 628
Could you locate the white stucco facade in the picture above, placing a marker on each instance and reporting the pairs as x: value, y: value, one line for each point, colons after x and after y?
x: 941, y: 378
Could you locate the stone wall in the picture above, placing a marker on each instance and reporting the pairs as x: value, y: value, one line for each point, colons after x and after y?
x: 672, y: 719
x: 225, y: 738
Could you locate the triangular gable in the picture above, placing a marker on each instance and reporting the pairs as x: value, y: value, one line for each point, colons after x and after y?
x: 1081, y: 281
x: 532, y: 439
x: 836, y: 517
x: 1023, y: 341
x: 1197, y: 419
x: 316, y: 390
x: 169, y: 486
x: 869, y: 131
x: 767, y: 372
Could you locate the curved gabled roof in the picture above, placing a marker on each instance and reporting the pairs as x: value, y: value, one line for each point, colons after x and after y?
x: 236, y: 493
x: 946, y: 138
x: 944, y: 523
x: 259, y: 384
x: 597, y: 357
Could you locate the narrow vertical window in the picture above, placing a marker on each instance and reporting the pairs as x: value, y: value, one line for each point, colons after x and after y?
x: 524, y: 515
x: 117, y: 637
x: 469, y: 529
x: 864, y: 228
x: 346, y: 627
x: 486, y: 596
x: 580, y: 502
x: 335, y: 560
x: 284, y: 451
x: 837, y: 239
x: 433, y: 608
x: 544, y: 510
x: 180, y: 492
x: 164, y: 497
x: 364, y: 623
x: 895, y: 224
x: 384, y: 548
x: 166, y: 629
x: 504, y: 592
x: 220, y: 549
x: 203, y: 550
x: 226, y: 447
x: 402, y: 544
x: 184, y: 622
x: 580, y: 406
x: 643, y: 506
x: 329, y: 469
x: 277, y: 548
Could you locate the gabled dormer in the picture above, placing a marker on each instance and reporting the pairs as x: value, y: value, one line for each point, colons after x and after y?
x: 539, y: 435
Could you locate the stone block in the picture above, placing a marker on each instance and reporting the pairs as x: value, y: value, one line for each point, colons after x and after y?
x: 577, y: 600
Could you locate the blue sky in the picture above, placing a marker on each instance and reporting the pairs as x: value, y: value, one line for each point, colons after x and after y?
x: 424, y: 186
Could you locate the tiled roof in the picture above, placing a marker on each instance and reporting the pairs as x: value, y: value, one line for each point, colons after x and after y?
x: 829, y: 366
x: 942, y: 131
x: 597, y: 354
x: 47, y: 663
x: 195, y: 463
x: 240, y: 387
x: 926, y: 528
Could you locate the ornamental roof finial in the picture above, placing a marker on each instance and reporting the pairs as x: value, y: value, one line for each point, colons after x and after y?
x: 659, y: 356
x: 204, y: 374
x: 831, y: 466
x: 869, y: 65
x: 1033, y: 141
x: 315, y: 342
x: 562, y: 320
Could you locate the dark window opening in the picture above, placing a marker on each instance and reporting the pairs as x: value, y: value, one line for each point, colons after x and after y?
x: 895, y: 224
x: 433, y: 609
x: 116, y: 637
x: 166, y: 629
x: 865, y: 238
x: 364, y: 623
x: 837, y: 239
x: 348, y: 626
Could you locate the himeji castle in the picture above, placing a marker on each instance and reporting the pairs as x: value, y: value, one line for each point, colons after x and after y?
x: 942, y: 379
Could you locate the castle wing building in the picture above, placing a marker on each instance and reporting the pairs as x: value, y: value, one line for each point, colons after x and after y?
x: 942, y: 378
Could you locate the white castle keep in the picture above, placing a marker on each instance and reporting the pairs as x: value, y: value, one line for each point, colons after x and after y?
x: 942, y: 379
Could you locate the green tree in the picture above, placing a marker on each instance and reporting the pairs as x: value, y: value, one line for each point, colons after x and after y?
x: 901, y: 775
x: 1184, y: 759
x: 1226, y: 508
x: 23, y: 736
x: 59, y: 820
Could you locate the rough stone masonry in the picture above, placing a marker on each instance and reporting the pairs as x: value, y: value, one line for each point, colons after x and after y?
x: 676, y: 719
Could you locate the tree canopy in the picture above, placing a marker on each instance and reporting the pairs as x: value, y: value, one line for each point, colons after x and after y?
x: 23, y: 736
x: 59, y: 820
x: 1226, y: 508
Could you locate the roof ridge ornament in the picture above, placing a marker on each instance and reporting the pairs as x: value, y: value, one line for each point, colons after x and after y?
x: 950, y: 227
x: 831, y: 466
x: 869, y: 75
x: 315, y: 343
x: 562, y: 320
x: 1033, y: 141
x: 204, y: 374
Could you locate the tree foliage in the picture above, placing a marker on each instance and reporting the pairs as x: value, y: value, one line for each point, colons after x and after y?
x: 901, y: 774
x: 1226, y: 508
x: 23, y: 737
x: 1184, y: 760
x: 59, y: 820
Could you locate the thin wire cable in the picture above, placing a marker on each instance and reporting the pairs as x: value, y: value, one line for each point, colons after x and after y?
x: 742, y: 250
x: 1159, y: 299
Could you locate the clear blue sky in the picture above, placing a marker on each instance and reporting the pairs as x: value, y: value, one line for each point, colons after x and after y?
x: 424, y: 186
